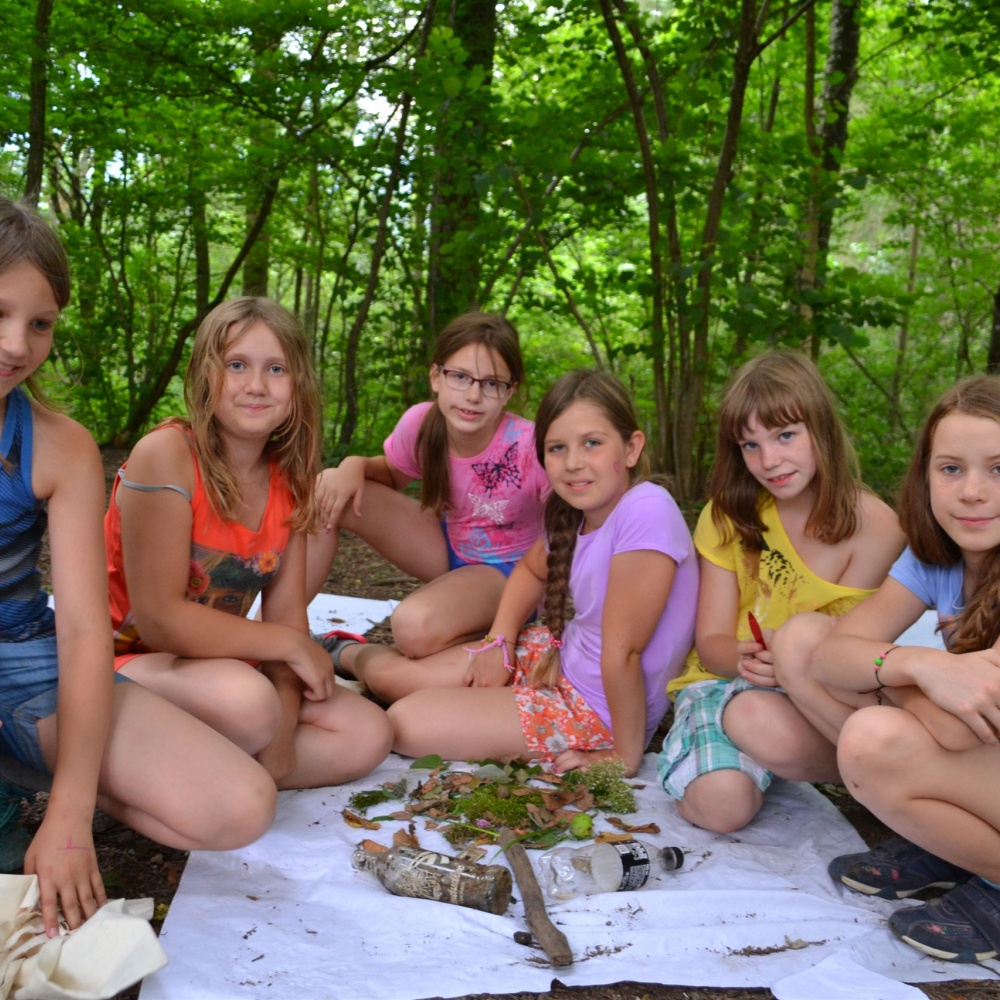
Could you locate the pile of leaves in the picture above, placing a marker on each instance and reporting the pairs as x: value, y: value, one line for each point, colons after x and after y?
x: 472, y: 807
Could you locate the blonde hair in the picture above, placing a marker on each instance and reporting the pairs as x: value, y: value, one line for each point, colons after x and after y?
x: 495, y: 333
x: 562, y: 521
x: 978, y: 625
x: 777, y: 389
x: 294, y: 446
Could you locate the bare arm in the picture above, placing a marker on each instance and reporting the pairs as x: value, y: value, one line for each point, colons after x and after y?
x: 68, y: 471
x: 521, y: 595
x: 284, y: 602
x: 947, y: 691
x: 156, y: 547
x: 631, y: 614
x: 716, y: 624
x: 344, y: 485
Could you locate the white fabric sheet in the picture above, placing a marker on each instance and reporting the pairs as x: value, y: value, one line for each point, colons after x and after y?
x: 288, y: 917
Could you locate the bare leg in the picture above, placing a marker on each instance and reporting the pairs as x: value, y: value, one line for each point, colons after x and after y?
x: 394, y: 526
x: 173, y: 778
x: 228, y: 695
x: 723, y: 801
x: 338, y: 740
x: 766, y: 726
x: 825, y: 709
x: 946, y: 801
x: 390, y: 676
x: 459, y: 724
x: 455, y: 607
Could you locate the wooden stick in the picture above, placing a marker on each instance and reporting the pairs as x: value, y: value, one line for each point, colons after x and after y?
x: 546, y: 933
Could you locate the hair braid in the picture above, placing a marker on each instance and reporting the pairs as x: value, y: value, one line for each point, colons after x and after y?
x: 561, y: 524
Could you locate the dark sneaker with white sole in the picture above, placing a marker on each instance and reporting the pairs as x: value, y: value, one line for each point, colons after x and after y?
x: 896, y: 869
x: 962, y: 926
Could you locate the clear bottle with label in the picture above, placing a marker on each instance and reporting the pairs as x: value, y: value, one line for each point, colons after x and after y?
x: 412, y: 871
x: 611, y: 866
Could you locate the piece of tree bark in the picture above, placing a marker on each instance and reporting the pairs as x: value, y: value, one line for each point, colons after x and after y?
x: 546, y: 933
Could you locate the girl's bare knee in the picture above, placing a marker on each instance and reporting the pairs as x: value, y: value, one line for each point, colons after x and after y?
x: 724, y: 805
x: 407, y: 736
x: 243, y: 814
x: 252, y: 713
x: 413, y: 630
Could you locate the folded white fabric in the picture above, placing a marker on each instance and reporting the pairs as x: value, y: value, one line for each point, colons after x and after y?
x: 839, y: 977
x: 109, y: 952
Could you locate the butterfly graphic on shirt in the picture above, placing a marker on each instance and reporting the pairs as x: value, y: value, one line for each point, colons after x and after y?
x: 491, y: 510
x: 496, y: 474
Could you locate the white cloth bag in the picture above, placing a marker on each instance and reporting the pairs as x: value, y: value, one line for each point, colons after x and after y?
x: 109, y: 952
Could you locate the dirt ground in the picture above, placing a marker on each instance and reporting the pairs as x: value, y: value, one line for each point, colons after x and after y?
x: 134, y: 867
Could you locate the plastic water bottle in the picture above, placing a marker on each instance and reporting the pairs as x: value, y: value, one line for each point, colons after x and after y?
x: 612, y: 866
x: 412, y: 871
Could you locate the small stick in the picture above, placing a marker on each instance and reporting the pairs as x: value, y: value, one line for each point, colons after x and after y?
x: 546, y: 933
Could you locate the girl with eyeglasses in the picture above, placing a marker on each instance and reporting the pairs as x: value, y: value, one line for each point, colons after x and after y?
x: 480, y: 509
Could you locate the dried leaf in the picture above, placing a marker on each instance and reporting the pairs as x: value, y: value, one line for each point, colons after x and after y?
x: 359, y: 822
x: 633, y: 827
x: 372, y: 846
x: 405, y: 838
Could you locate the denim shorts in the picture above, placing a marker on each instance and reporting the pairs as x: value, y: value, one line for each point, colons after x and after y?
x: 29, y: 672
x: 455, y: 561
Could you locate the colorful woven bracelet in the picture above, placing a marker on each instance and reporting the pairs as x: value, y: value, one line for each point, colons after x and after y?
x: 879, y: 660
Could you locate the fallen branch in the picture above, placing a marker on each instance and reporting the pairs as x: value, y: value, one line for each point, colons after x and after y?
x: 545, y: 932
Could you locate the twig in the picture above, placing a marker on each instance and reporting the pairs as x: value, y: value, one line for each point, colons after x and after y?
x: 545, y: 932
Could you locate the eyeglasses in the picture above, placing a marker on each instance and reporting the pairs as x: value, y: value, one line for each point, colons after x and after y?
x: 493, y: 388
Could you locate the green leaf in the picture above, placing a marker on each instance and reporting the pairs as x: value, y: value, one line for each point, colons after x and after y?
x: 428, y: 763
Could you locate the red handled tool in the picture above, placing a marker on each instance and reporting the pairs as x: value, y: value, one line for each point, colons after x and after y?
x: 755, y: 629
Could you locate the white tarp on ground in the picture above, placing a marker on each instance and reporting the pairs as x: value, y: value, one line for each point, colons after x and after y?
x: 289, y: 917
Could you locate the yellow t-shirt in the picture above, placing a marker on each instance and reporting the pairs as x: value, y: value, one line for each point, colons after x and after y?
x: 774, y: 585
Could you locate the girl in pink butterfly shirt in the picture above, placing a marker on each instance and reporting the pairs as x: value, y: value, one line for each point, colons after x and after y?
x: 480, y: 509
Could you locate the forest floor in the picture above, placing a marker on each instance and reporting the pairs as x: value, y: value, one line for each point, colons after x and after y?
x: 135, y: 867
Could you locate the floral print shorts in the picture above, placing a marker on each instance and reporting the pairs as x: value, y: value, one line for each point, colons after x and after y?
x: 557, y: 718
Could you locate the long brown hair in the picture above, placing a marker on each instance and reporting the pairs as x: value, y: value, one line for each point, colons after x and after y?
x: 978, y: 625
x: 562, y: 521
x: 495, y: 333
x: 777, y: 389
x: 25, y: 237
x: 294, y: 445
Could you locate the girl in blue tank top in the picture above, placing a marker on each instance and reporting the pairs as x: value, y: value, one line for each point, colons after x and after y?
x: 145, y: 761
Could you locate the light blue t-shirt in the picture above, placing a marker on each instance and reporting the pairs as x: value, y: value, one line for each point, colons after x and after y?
x: 937, y: 586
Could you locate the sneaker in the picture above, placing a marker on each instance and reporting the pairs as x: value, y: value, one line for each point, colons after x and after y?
x: 335, y: 642
x: 961, y: 926
x: 14, y: 839
x: 896, y: 869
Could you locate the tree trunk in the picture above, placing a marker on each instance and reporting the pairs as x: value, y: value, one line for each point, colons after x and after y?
x: 454, y: 264
x: 38, y: 99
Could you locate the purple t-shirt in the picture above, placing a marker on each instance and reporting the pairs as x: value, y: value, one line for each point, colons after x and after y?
x: 646, y: 518
x: 496, y: 496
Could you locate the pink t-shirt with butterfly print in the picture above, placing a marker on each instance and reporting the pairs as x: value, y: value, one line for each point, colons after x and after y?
x: 496, y: 496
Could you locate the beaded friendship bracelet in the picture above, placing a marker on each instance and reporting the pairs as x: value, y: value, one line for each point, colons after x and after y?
x: 492, y: 641
x: 879, y: 660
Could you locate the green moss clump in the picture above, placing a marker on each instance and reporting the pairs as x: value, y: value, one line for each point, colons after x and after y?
x: 507, y: 810
x: 361, y: 802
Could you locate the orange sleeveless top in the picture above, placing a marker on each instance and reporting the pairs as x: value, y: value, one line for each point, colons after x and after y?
x: 230, y: 564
